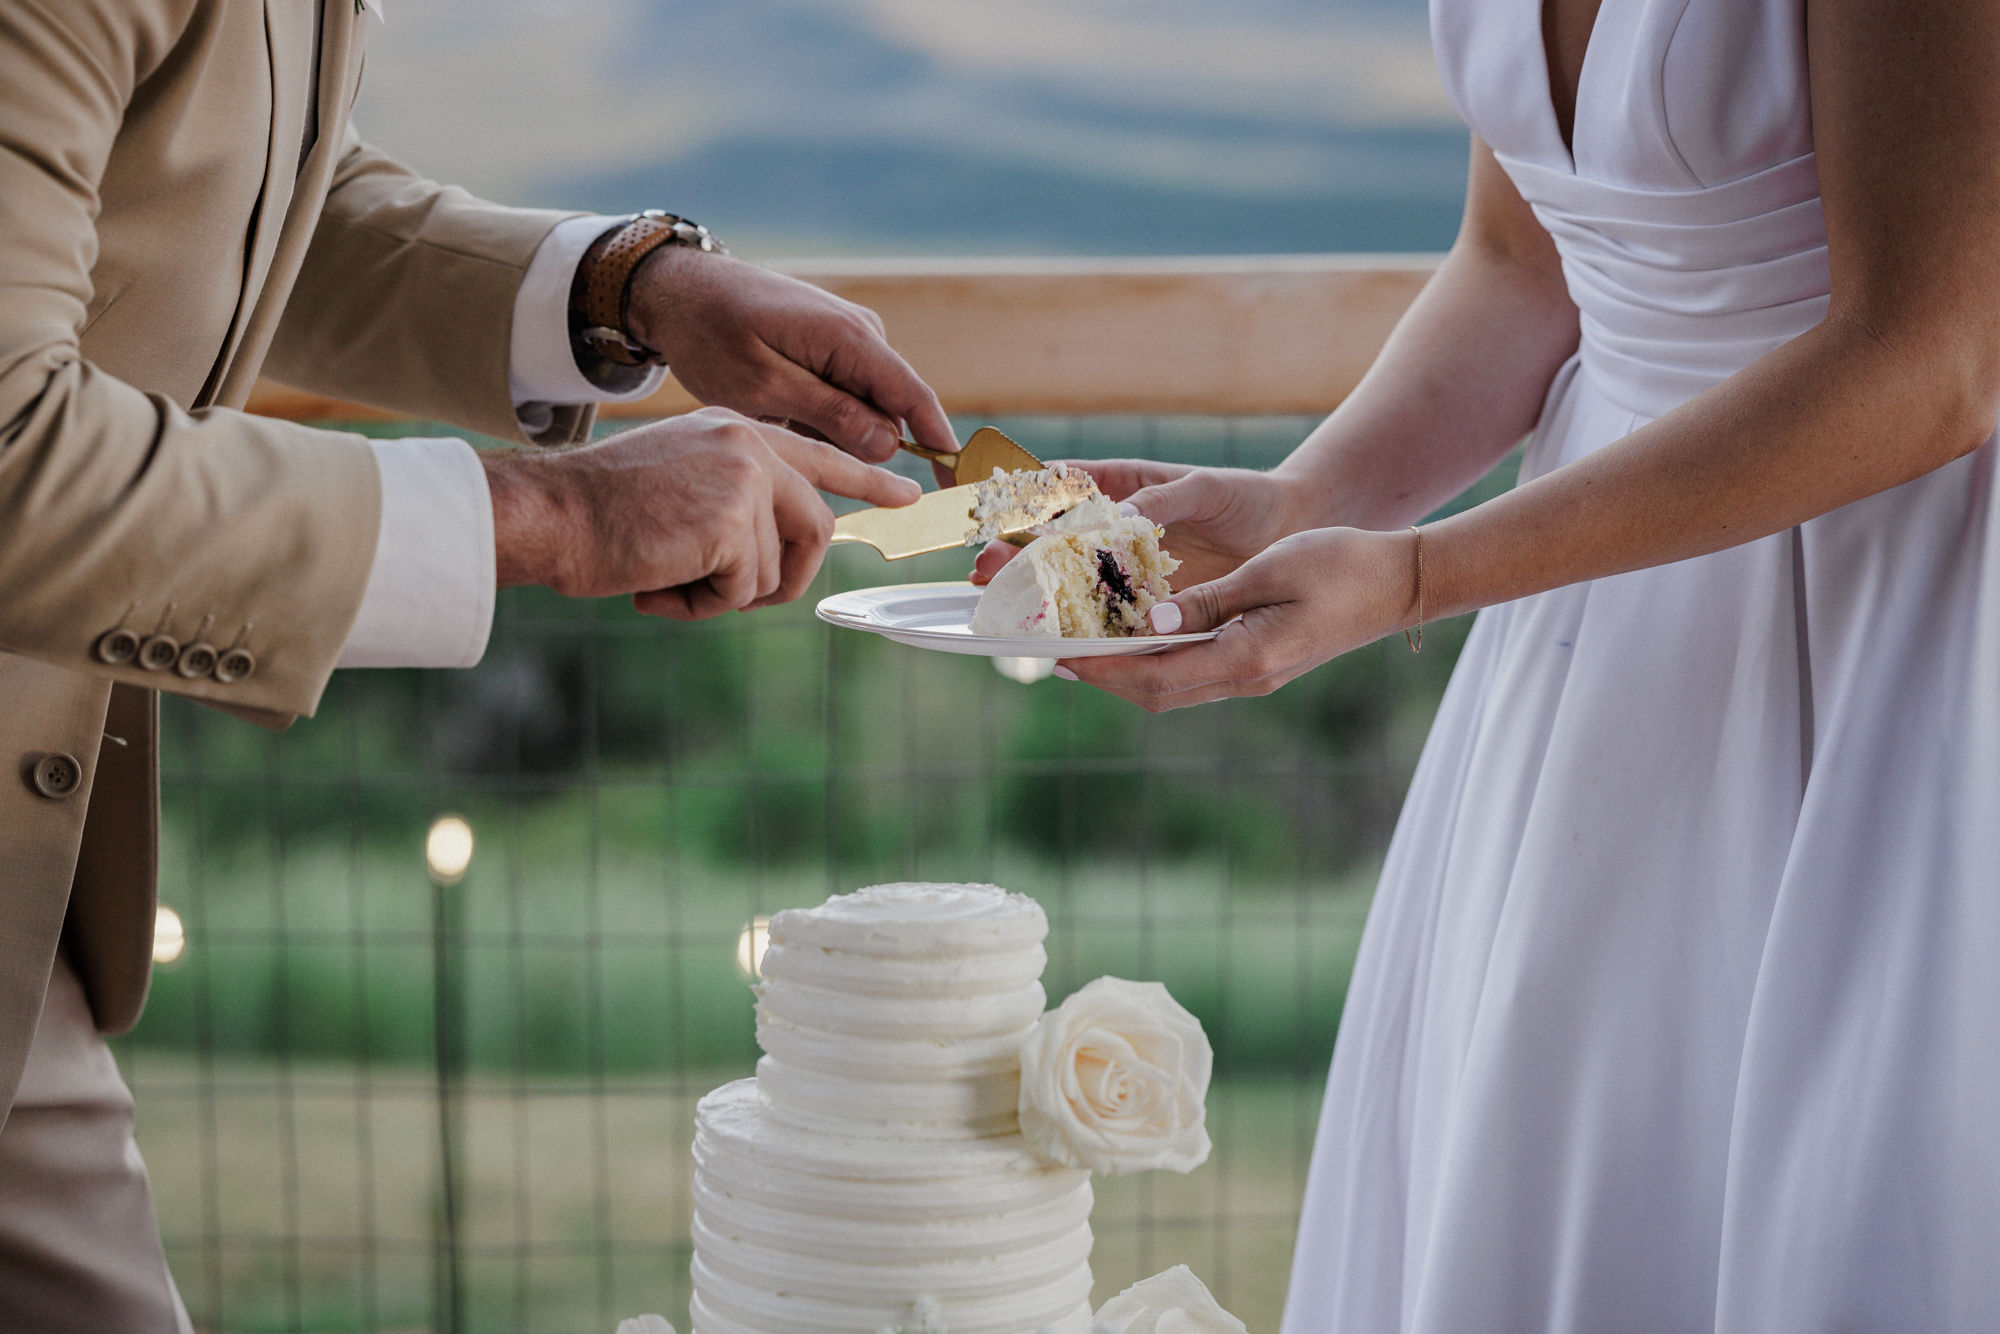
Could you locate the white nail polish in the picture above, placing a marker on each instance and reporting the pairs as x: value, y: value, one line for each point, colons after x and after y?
x: 1166, y: 618
x: 1064, y: 673
x: 1128, y: 509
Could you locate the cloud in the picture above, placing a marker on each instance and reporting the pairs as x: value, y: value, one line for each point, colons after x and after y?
x: 1325, y: 63
x: 498, y: 96
x: 1245, y: 95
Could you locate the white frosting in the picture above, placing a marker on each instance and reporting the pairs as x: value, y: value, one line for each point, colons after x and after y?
x: 1019, y: 601
x: 926, y: 921
x: 891, y: 1058
x: 946, y: 1018
x: 865, y: 1105
x: 876, y: 1159
x: 865, y: 975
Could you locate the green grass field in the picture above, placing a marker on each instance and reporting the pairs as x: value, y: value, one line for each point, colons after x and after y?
x: 303, y: 1196
x: 297, y: 1162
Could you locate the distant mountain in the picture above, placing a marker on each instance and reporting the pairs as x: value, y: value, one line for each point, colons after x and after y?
x: 765, y: 194
x: 1079, y: 126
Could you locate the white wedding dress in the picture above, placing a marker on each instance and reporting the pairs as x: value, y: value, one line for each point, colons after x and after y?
x: 1679, y: 1004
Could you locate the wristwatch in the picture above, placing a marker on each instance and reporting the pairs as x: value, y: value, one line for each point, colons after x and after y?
x: 600, y: 296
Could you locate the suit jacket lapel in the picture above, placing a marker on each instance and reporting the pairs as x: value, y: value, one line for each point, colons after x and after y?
x: 312, y: 105
x: 308, y: 82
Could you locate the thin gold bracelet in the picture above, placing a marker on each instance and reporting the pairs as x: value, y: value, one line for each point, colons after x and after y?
x: 1416, y: 641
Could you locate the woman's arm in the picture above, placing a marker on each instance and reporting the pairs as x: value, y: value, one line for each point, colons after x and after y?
x: 1901, y: 377
x: 1461, y: 379
x: 1458, y: 383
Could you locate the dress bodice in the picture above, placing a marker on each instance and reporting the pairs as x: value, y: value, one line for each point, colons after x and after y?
x: 1688, y: 214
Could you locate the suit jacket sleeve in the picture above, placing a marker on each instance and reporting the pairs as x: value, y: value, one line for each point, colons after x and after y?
x: 406, y: 300
x: 117, y: 506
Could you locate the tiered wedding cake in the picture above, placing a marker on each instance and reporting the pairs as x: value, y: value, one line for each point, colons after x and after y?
x: 876, y: 1160
x: 874, y: 1174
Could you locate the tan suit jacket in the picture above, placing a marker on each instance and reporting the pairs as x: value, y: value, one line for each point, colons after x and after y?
x: 182, y: 205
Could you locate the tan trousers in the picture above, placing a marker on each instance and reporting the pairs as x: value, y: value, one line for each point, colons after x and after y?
x: 79, y: 1248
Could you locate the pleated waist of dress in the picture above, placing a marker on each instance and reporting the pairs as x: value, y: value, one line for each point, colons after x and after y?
x: 1679, y: 289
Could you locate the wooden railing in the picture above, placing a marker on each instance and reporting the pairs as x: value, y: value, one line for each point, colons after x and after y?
x: 1223, y: 336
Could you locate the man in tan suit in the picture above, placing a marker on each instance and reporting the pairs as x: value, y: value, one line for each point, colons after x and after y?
x: 182, y: 207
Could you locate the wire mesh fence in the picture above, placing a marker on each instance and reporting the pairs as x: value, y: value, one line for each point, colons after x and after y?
x: 372, y: 1103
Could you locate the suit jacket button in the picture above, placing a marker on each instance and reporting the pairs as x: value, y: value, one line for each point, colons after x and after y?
x: 234, y: 665
x: 56, y: 776
x: 158, y: 652
x: 117, y: 647
x: 196, y: 660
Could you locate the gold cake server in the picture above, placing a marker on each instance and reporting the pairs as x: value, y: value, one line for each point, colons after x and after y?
x: 940, y: 521
x: 986, y: 450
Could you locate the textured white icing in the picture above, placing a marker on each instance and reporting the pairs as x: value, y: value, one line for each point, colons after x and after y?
x: 929, y: 921
x: 973, y: 1256
x: 788, y: 1315
x: 876, y: 1159
x: 890, y: 1058
x: 1028, y: 1282
x: 864, y: 974
x: 945, y: 1018
x: 1002, y: 1175
x: 1019, y: 601
x: 967, y: 1108
x: 735, y: 1117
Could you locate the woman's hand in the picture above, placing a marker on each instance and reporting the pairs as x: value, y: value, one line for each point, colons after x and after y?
x: 1309, y: 597
x: 1216, y: 518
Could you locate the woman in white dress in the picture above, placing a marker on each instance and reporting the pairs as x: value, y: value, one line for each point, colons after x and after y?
x: 1679, y: 1005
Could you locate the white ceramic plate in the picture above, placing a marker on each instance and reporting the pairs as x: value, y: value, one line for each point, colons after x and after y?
x: 939, y: 616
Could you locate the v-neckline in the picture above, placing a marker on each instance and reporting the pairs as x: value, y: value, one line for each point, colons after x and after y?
x: 1565, y: 142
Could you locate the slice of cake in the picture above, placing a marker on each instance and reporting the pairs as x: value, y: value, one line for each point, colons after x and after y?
x: 1092, y: 573
x: 1000, y: 499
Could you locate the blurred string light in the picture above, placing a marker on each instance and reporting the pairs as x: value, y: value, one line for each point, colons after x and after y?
x: 751, y: 942
x: 1025, y: 670
x: 448, y: 849
x: 169, y: 935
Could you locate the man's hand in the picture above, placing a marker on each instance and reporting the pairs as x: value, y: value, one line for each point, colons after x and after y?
x: 694, y: 516
x: 771, y: 346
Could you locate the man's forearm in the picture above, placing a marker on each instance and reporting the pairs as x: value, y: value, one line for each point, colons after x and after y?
x: 529, y: 517
x: 406, y: 299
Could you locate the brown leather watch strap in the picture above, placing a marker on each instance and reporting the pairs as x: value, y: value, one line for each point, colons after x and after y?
x: 601, y: 295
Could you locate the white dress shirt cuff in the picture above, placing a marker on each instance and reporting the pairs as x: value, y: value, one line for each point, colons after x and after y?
x: 429, y: 599
x: 541, y: 367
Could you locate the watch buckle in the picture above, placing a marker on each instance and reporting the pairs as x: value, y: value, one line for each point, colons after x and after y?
x: 613, y: 345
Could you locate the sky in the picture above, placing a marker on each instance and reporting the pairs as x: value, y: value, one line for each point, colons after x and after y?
x: 940, y: 126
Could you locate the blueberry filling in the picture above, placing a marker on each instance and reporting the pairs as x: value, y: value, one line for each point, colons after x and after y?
x: 1114, y: 579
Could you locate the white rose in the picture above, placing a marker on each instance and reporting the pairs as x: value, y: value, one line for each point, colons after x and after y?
x: 1115, y: 1080
x: 1175, y: 1302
